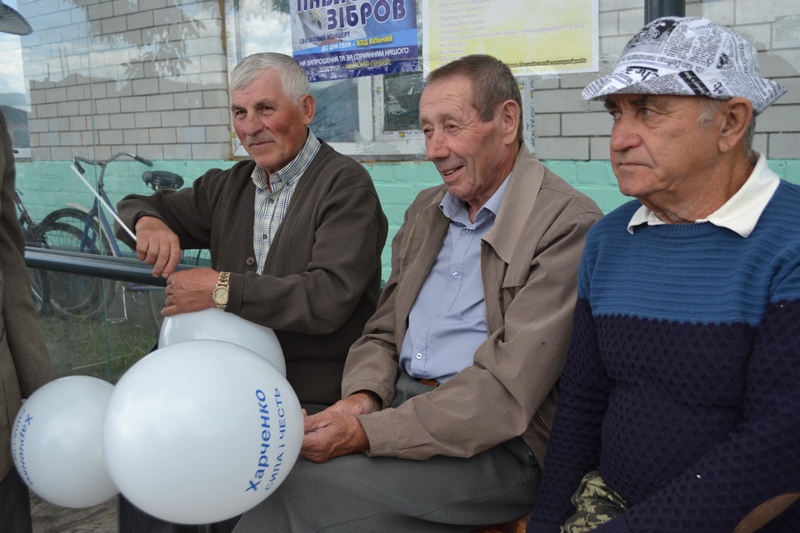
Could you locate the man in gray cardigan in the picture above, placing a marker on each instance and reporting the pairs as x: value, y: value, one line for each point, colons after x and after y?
x: 309, y: 268
x: 24, y: 362
x: 295, y: 236
x: 449, y: 395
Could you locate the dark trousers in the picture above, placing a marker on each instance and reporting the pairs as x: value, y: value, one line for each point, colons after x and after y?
x: 15, y: 505
x: 360, y: 494
x: 131, y: 519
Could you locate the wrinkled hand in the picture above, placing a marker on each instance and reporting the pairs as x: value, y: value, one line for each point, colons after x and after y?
x: 336, y: 431
x: 157, y: 245
x: 190, y: 290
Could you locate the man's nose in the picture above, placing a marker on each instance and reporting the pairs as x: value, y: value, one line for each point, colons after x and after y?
x: 623, y: 136
x: 435, y: 147
x: 251, y: 125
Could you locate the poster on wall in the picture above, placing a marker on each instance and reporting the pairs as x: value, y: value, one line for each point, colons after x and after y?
x: 335, y: 39
x: 530, y: 36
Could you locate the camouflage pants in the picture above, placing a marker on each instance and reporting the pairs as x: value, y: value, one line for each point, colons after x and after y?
x: 595, y: 502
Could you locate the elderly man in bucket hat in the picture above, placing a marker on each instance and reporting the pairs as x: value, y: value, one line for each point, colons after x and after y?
x: 680, y: 399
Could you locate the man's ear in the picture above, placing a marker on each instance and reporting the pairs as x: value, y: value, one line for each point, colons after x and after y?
x: 736, y: 116
x: 511, y: 115
x: 308, y: 106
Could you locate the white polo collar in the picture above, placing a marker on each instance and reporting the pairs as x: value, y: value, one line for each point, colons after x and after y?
x: 740, y: 213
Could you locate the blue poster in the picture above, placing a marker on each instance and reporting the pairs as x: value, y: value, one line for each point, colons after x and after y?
x: 335, y: 39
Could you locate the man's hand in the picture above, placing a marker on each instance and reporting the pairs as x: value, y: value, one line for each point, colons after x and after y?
x: 157, y: 245
x: 190, y: 290
x: 336, y: 431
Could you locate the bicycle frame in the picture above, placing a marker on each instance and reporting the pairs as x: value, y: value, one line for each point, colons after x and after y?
x: 25, y: 221
x: 90, y: 230
x: 101, y: 198
x: 95, y: 211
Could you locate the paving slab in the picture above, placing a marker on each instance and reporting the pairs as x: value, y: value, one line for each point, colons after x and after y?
x: 49, y: 518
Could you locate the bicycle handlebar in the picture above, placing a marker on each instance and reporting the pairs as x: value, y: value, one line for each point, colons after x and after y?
x: 78, y: 159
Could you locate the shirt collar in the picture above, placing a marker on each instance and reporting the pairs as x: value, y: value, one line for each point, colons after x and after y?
x: 740, y: 213
x: 454, y: 208
x: 289, y: 174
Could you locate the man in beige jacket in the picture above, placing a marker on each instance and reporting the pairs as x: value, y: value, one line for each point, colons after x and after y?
x: 24, y: 363
x: 449, y: 394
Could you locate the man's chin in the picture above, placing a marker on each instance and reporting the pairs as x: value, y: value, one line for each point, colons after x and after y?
x: 266, y: 162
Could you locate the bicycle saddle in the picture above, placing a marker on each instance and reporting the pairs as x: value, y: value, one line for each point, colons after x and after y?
x: 161, y: 179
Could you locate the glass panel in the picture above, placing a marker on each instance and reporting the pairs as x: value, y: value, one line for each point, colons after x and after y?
x: 114, y: 325
x: 336, y: 119
x: 265, y: 26
x: 14, y: 102
x: 102, y: 78
x: 401, y: 101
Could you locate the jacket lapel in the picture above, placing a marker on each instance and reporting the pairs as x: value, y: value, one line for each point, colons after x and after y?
x: 422, y: 247
x: 515, y: 209
x: 499, y: 244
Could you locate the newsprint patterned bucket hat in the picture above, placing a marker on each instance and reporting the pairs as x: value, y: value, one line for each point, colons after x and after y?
x: 688, y: 56
x: 13, y: 22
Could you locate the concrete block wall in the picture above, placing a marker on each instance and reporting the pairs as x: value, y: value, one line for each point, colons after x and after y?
x: 108, y: 76
x: 569, y: 128
x: 48, y: 185
x: 95, y: 92
x: 150, y: 77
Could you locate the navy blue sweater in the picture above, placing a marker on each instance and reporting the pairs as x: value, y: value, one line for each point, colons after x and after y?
x: 682, y: 382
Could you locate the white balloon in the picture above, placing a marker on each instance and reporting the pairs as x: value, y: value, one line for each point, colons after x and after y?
x: 216, y: 324
x: 201, y: 431
x: 56, y: 442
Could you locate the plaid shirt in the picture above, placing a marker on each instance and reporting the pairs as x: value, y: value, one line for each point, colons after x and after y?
x: 271, y: 207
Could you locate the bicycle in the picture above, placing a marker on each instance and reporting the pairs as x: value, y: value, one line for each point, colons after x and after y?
x: 40, y: 288
x: 88, y: 231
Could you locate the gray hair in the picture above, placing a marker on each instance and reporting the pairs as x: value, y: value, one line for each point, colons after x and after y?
x: 708, y: 109
x: 492, y: 84
x: 293, y: 77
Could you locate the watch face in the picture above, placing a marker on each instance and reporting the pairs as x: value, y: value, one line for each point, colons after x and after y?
x: 220, y: 295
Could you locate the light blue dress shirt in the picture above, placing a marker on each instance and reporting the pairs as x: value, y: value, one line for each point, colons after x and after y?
x: 447, y: 322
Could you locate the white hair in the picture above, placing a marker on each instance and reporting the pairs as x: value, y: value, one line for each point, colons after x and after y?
x: 709, y: 107
x: 293, y: 77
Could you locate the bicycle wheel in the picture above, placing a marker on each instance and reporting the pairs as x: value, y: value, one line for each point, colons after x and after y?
x: 40, y: 287
x: 150, y: 297
x: 72, y: 294
x: 40, y: 291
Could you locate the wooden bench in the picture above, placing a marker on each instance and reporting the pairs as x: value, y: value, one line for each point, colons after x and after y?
x: 515, y: 526
x: 759, y: 517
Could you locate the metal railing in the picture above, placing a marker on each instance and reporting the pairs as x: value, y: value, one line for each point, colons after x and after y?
x: 100, y: 266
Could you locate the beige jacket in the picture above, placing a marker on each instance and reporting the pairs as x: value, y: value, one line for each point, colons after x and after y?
x: 529, y: 266
x: 24, y: 363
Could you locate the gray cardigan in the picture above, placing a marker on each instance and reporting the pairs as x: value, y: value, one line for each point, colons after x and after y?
x: 322, y: 275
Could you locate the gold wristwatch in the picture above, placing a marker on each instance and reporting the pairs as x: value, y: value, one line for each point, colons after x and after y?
x: 220, y: 292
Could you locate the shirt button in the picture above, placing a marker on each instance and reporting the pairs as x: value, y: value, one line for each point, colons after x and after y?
x: 250, y: 261
x: 419, y: 356
x: 455, y: 275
